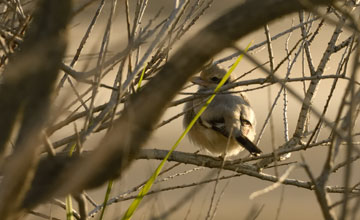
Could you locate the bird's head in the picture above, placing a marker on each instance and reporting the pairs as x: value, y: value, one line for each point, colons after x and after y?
x: 210, y: 76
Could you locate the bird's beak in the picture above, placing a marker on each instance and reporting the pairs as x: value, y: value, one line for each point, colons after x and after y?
x: 197, y: 80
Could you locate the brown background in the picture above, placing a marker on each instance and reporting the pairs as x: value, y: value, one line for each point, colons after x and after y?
x: 235, y: 203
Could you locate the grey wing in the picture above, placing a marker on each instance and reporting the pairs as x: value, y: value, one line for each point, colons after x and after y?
x: 247, y: 122
x: 219, y: 126
x: 236, y: 114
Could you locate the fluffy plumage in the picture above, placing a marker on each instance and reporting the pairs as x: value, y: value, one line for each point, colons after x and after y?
x: 228, y: 113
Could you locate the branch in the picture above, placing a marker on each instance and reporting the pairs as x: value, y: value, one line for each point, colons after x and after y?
x: 121, y: 145
x: 28, y: 81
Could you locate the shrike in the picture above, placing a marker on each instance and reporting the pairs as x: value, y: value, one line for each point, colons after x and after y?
x: 228, y: 124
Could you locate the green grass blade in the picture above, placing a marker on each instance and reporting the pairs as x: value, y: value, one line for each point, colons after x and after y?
x: 141, y: 77
x: 69, y: 214
x: 106, y: 199
x: 130, y: 211
x: 68, y: 202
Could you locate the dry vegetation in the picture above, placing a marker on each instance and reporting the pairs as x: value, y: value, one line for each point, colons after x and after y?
x: 41, y: 94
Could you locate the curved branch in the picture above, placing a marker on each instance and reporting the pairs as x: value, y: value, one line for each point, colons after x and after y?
x: 25, y: 97
x: 241, y: 168
x: 120, y: 146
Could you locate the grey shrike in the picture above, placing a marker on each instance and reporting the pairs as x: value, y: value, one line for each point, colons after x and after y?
x: 229, y: 114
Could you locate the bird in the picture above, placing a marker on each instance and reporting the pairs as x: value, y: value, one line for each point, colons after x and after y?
x: 227, y: 126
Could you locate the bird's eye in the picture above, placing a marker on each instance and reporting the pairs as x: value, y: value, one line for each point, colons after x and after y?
x: 245, y: 122
x: 215, y: 79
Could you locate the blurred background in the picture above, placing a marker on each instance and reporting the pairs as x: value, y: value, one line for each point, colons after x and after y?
x: 232, y: 195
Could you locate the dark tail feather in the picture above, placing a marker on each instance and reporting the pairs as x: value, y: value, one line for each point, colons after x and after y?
x: 248, y: 145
